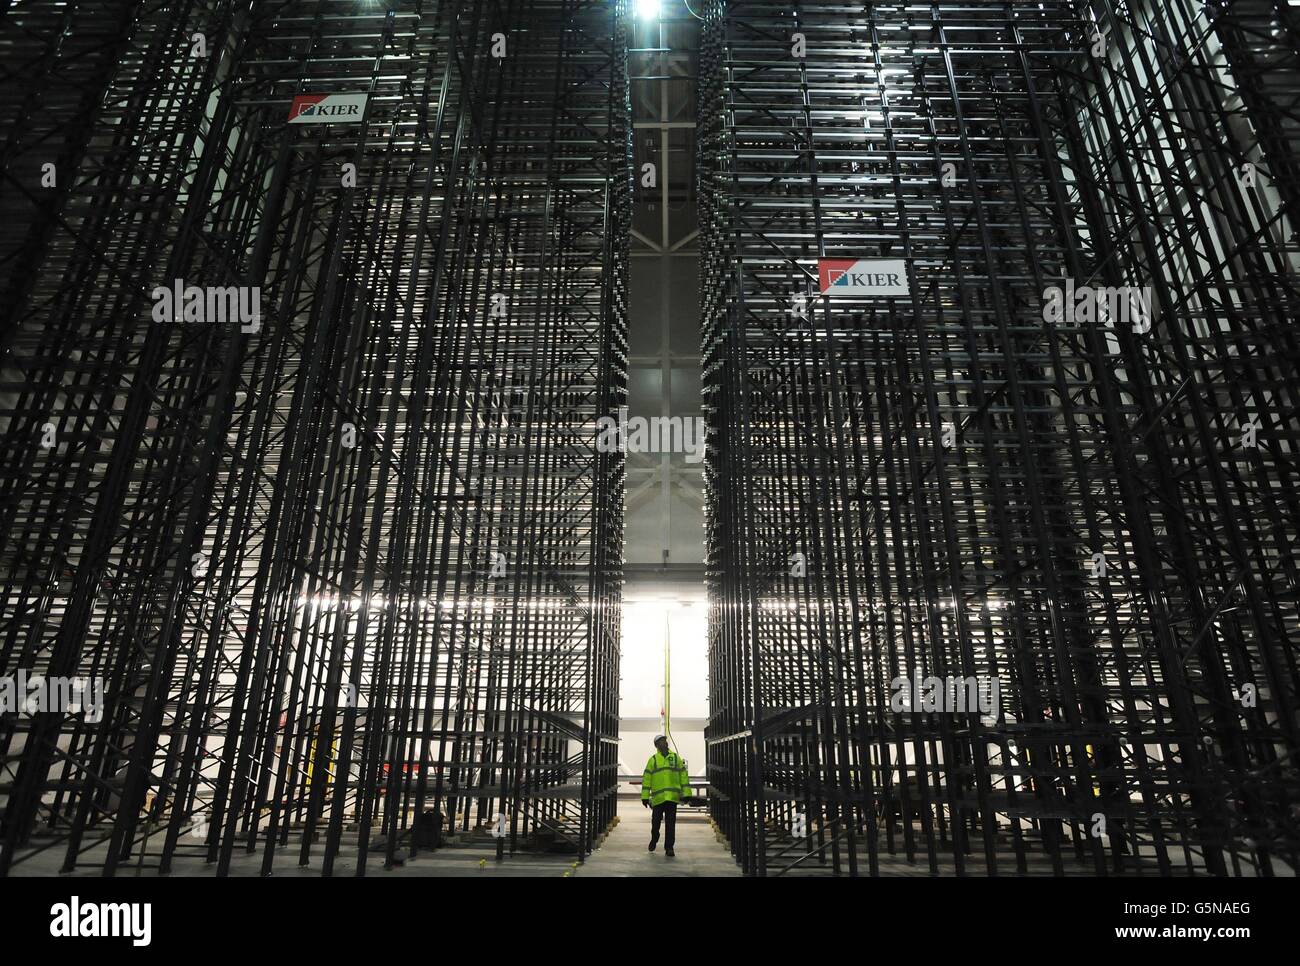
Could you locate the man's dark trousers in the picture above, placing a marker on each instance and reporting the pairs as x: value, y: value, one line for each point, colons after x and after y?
x: 666, y: 813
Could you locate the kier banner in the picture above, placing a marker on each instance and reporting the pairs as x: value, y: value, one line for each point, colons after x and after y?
x: 864, y: 277
x: 327, y: 109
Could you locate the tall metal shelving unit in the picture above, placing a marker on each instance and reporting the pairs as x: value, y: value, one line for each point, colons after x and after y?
x: 358, y: 561
x: 958, y: 484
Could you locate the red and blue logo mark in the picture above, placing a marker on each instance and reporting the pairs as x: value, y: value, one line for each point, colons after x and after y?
x: 834, y: 271
x: 305, y: 104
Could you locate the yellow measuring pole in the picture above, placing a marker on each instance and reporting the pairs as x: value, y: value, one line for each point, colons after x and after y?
x: 668, y: 680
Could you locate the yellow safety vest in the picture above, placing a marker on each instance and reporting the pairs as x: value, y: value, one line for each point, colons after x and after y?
x: 665, y: 779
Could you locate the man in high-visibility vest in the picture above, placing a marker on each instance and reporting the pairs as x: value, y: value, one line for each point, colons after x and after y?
x: 663, y: 785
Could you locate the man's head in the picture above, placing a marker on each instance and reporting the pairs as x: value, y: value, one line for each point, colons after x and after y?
x: 661, y: 745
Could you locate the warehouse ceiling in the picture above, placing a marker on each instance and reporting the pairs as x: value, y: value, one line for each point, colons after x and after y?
x: 665, y: 502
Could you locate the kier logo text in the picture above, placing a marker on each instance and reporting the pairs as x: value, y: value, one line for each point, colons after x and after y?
x: 863, y: 276
x: 327, y: 109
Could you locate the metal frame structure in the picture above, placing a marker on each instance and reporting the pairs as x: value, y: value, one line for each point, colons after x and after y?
x: 357, y: 561
x: 1098, y: 518
x: 349, y: 572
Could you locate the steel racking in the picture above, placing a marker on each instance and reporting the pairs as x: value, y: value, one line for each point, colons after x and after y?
x: 349, y: 572
x: 1095, y: 515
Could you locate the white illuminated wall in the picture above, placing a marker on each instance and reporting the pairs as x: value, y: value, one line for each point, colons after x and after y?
x: 642, y: 692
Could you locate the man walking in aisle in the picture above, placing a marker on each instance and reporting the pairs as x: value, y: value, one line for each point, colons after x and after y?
x: 663, y: 785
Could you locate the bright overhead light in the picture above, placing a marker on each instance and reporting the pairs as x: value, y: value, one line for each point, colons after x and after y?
x: 647, y: 9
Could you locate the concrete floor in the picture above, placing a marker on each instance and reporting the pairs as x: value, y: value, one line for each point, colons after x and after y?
x: 622, y: 853
x: 699, y: 853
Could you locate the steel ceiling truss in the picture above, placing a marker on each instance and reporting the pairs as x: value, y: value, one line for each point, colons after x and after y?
x: 915, y: 499
x: 357, y: 562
